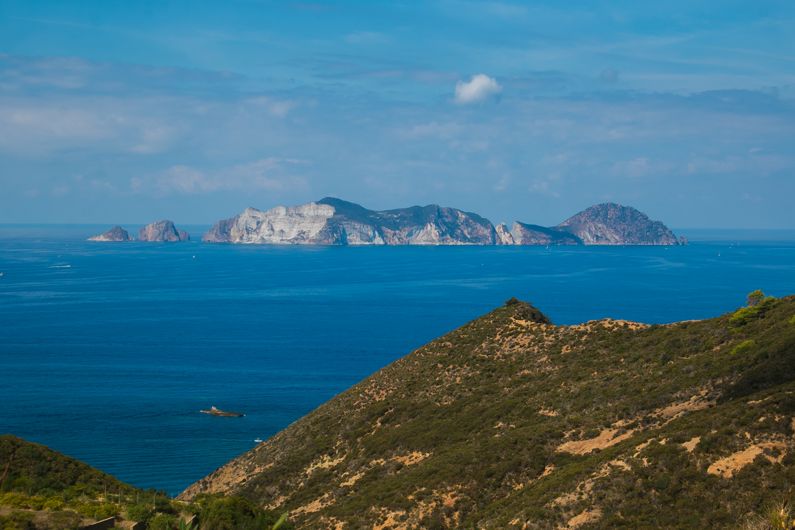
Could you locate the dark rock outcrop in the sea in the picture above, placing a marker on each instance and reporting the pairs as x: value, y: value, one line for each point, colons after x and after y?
x: 162, y: 231
x: 116, y: 233
x: 333, y: 221
x: 613, y: 224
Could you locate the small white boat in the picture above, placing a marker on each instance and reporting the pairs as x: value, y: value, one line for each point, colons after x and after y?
x: 258, y: 440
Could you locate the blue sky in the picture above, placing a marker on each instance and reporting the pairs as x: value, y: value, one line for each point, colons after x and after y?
x: 126, y: 112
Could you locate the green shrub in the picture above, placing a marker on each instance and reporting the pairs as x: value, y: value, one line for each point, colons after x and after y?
x: 744, y: 347
x: 758, y: 304
x: 755, y: 298
x: 53, y: 504
x: 235, y: 513
x: 139, y: 512
x: 17, y: 521
x: 14, y: 500
x: 163, y: 521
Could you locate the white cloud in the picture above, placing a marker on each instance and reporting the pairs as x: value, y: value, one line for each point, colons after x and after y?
x: 478, y: 88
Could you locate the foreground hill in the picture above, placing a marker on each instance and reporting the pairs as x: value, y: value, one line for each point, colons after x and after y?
x: 513, y: 422
x: 333, y: 221
x: 43, y: 489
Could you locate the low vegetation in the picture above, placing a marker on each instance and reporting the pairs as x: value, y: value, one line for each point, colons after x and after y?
x: 43, y: 489
x: 512, y: 422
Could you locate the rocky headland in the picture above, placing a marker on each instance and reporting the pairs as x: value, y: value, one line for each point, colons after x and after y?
x: 332, y: 221
x: 613, y: 224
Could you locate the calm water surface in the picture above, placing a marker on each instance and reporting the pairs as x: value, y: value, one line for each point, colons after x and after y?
x: 108, y: 351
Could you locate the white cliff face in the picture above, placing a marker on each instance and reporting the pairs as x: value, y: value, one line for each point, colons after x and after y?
x: 361, y: 234
x: 323, y: 224
x: 504, y: 236
x: 336, y: 222
x: 302, y: 224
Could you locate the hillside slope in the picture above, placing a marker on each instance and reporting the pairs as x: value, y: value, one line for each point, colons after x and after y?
x: 42, y: 489
x: 512, y: 422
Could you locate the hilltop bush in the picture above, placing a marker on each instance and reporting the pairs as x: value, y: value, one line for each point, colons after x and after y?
x: 758, y: 305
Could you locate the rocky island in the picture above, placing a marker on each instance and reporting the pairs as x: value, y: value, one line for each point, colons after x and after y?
x: 162, y: 231
x: 332, y: 221
x: 613, y: 224
x: 116, y: 233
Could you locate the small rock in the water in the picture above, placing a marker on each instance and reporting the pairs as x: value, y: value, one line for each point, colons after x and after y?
x: 116, y: 233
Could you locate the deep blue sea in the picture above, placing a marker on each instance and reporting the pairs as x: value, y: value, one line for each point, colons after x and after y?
x: 108, y: 351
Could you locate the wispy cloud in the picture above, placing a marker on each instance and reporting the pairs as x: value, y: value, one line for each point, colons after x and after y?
x: 269, y: 174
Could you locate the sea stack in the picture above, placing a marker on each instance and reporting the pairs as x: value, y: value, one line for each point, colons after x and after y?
x: 162, y: 231
x: 115, y: 234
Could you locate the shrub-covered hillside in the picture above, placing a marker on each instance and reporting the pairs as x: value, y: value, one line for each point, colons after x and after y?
x: 512, y: 422
x: 43, y: 489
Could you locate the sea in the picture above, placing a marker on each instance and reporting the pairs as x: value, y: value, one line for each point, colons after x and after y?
x: 109, y: 350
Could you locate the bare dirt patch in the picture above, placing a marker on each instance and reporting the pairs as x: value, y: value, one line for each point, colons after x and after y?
x: 606, y: 438
x: 585, y: 517
x: 415, y: 457
x: 391, y: 520
x: 324, y: 462
x: 727, y: 467
x: 674, y: 410
x: 691, y: 444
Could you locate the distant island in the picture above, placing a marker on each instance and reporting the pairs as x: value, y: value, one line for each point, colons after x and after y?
x: 115, y: 234
x: 332, y: 221
x: 162, y: 231
x: 159, y: 231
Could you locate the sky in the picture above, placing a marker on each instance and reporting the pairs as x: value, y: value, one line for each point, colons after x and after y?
x: 127, y: 112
